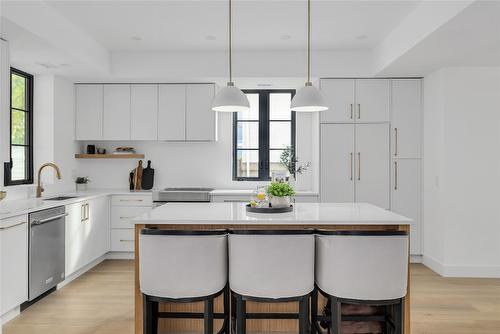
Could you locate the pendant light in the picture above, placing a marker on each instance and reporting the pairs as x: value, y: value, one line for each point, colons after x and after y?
x: 230, y: 98
x: 309, y: 98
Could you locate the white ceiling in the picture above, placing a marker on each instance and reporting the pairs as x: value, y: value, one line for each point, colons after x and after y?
x: 257, y: 25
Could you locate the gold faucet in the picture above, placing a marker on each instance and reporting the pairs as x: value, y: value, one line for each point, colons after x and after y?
x: 39, y: 188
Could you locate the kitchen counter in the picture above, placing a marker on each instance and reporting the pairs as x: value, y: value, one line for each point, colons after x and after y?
x: 207, y: 216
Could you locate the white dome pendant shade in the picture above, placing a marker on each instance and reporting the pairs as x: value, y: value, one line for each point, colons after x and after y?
x: 309, y: 98
x: 230, y: 98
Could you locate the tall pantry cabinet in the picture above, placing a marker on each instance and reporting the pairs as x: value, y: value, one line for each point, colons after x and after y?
x: 370, y: 145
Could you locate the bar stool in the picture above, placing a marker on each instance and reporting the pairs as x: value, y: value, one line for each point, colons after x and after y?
x: 183, y: 267
x: 362, y: 267
x: 271, y: 266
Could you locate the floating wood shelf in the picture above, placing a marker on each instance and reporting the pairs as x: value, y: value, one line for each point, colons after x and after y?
x: 109, y: 156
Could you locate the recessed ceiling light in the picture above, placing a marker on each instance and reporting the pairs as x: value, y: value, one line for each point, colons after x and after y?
x: 136, y: 38
x: 361, y: 37
x: 210, y: 38
x: 285, y: 37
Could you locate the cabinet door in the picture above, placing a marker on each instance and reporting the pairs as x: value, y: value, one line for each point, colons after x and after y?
x: 144, y: 109
x: 372, y: 164
x: 406, y: 197
x: 116, y: 112
x: 339, y: 95
x: 200, y: 118
x: 99, y: 223
x: 406, y: 117
x: 14, y: 262
x: 88, y: 112
x: 337, y: 163
x: 172, y: 112
x: 372, y: 100
x: 75, y: 238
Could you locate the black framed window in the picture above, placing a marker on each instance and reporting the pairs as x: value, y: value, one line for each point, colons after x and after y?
x: 261, y: 134
x: 20, y: 168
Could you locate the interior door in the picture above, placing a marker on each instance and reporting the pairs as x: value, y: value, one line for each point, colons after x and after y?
x: 372, y: 164
x: 337, y: 163
x: 372, y: 100
x: 172, y: 112
x: 406, y: 197
x: 339, y: 96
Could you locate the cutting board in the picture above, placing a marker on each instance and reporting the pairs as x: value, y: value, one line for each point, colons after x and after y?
x: 148, y: 176
x: 138, y: 176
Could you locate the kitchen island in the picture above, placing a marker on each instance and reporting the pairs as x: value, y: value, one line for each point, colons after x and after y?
x: 207, y: 216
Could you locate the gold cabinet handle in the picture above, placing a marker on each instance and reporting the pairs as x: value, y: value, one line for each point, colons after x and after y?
x: 395, y: 175
x: 359, y: 166
x: 350, y: 165
x: 82, y: 213
x: 396, y: 149
x: 359, y: 110
x: 351, y: 111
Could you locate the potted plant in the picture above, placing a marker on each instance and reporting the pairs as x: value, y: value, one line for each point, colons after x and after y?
x: 81, y: 183
x: 291, y: 162
x: 279, y: 194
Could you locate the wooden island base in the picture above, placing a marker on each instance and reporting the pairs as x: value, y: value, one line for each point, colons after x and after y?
x: 261, y: 326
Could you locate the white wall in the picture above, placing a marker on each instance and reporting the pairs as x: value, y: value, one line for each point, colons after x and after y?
x: 462, y: 172
x: 177, y: 164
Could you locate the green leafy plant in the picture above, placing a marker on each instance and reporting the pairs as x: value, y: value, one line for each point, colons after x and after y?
x: 280, y: 189
x: 290, y: 161
x: 82, y: 180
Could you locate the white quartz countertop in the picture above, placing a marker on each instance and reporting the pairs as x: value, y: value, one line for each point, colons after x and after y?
x: 304, y: 213
x: 11, y: 208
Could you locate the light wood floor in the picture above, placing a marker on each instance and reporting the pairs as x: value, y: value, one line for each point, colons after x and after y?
x: 101, y: 302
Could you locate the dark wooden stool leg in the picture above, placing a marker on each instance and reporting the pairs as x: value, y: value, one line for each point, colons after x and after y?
x: 304, y: 315
x: 147, y: 318
x: 208, y: 316
x: 155, y: 307
x: 398, y: 311
x: 314, y: 311
x: 240, y: 315
x: 336, y: 316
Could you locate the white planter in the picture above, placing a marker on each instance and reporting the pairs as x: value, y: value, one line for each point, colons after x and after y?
x: 280, y: 202
x: 81, y: 187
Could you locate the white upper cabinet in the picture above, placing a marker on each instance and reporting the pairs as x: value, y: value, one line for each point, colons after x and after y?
x: 172, y: 112
x: 406, y: 117
x: 406, y: 197
x: 337, y: 163
x: 89, y: 112
x: 201, y: 122
x: 372, y: 100
x: 116, y: 125
x: 144, y: 111
x: 372, y: 164
x: 339, y: 95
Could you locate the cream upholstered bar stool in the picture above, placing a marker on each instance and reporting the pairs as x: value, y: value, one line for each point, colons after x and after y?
x: 183, y: 267
x: 362, y: 267
x: 271, y: 266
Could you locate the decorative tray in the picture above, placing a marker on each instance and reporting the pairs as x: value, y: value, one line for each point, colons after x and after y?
x: 269, y: 209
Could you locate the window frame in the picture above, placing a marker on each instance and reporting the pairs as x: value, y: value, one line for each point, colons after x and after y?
x: 29, y: 130
x: 264, y: 122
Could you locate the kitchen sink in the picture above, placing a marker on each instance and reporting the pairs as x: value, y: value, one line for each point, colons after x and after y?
x: 60, y: 198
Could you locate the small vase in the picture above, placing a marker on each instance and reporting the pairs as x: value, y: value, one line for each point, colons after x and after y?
x: 280, y: 202
x: 81, y: 187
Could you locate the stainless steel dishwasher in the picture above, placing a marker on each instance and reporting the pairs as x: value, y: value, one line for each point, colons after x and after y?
x: 46, y: 258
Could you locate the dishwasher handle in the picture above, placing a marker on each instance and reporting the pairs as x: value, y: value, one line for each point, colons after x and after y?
x: 46, y: 220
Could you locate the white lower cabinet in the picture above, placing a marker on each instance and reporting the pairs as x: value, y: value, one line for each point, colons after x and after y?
x: 406, y: 197
x: 14, y: 262
x: 87, y: 233
x: 124, y: 208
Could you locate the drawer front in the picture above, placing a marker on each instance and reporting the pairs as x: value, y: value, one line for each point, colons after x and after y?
x: 231, y: 199
x: 122, y: 240
x: 133, y: 200
x: 121, y: 216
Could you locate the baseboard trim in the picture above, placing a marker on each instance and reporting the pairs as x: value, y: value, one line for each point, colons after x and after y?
x: 451, y: 270
x: 416, y: 259
x: 120, y: 256
x: 80, y: 272
x: 9, y: 315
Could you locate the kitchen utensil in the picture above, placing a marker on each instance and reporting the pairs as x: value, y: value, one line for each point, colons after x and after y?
x: 90, y: 149
x: 138, y: 176
x: 148, y: 175
x: 131, y: 180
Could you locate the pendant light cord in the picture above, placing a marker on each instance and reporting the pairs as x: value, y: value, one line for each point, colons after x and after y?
x: 308, y: 41
x: 230, y: 42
